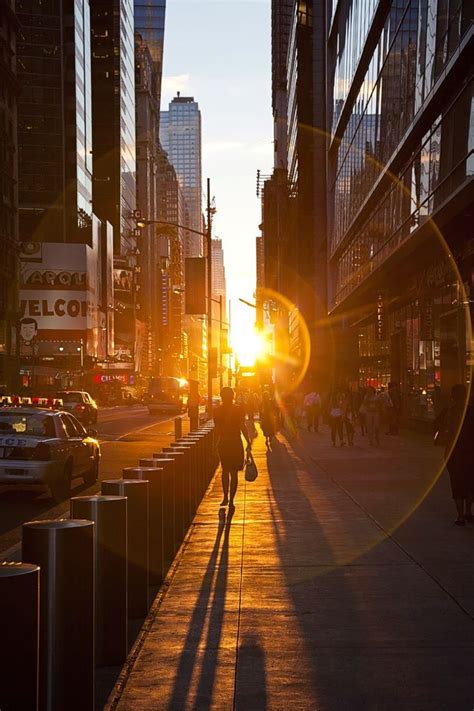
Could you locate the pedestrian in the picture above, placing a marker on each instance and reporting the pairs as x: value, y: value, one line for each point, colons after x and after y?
x: 312, y: 406
x: 459, y: 425
x: 348, y: 418
x: 336, y: 421
x: 394, y: 408
x: 268, y: 419
x: 372, y: 407
x: 229, y: 421
x: 361, y: 411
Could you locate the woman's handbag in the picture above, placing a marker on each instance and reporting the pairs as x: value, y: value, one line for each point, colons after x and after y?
x: 251, y: 472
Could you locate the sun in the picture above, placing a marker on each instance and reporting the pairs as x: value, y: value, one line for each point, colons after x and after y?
x: 250, y: 346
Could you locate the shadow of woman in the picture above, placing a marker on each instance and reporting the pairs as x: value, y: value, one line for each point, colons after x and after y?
x: 210, y: 605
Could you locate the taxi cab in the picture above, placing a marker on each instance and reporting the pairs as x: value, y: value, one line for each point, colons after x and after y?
x: 40, y: 444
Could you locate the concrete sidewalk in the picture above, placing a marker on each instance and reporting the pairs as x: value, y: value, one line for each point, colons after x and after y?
x: 333, y: 586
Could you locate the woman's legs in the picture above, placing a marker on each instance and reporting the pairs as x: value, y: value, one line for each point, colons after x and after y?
x: 225, y: 486
x: 234, y: 480
x: 233, y: 477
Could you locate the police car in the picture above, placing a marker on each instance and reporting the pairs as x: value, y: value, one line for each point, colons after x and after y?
x: 40, y: 444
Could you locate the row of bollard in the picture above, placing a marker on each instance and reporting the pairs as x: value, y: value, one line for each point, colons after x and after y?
x: 64, y: 611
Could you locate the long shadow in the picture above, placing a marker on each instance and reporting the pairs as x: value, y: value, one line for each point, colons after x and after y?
x: 210, y: 588
x: 216, y: 621
x: 322, y: 645
x: 252, y: 670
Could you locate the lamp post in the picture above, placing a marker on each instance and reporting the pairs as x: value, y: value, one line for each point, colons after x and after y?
x: 142, y: 222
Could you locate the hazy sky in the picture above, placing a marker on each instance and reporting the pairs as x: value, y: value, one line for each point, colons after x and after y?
x: 219, y: 52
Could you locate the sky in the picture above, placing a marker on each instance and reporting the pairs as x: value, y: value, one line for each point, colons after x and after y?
x: 219, y: 51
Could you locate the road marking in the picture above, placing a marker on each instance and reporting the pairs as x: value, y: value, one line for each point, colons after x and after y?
x: 138, y: 429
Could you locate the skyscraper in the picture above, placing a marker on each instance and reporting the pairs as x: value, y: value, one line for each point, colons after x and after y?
x: 180, y: 136
x: 9, y: 28
x: 55, y: 195
x: 400, y: 174
x: 150, y: 25
x: 113, y: 106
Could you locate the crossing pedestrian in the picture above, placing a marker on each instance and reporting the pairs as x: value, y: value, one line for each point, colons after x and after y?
x: 268, y: 418
x: 229, y: 421
x: 312, y: 406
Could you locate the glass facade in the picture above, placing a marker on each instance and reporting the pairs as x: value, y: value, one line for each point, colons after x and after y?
x: 180, y: 136
x: 373, y: 217
x: 150, y: 24
x: 54, y: 66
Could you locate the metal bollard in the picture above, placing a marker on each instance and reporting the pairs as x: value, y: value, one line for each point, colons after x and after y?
x: 171, y: 514
x: 178, y: 427
x: 190, y: 451
x: 195, y: 441
x: 155, y: 478
x: 181, y: 505
x: 110, y: 516
x: 137, y: 495
x: 19, y: 623
x: 64, y: 551
x: 182, y: 458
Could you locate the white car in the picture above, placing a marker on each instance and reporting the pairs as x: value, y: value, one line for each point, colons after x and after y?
x: 40, y: 446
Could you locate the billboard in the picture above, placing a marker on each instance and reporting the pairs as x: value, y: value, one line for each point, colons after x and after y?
x: 58, y: 296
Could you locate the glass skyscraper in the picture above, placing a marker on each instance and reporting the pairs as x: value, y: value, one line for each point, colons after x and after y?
x: 400, y: 87
x: 55, y: 120
x: 150, y: 25
x: 180, y: 136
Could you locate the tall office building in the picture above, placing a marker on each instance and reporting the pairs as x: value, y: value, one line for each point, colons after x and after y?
x: 114, y: 162
x: 9, y: 28
x: 63, y: 245
x: 180, y: 136
x: 294, y: 197
x: 150, y: 25
x: 55, y: 121
x: 113, y: 110
x: 400, y: 186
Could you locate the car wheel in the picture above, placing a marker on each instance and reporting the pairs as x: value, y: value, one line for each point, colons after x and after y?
x: 93, y: 473
x: 61, y: 489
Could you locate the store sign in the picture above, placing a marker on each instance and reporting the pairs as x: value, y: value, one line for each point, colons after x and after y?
x: 102, y: 378
x: 54, y: 279
x: 427, y: 320
x: 380, y: 323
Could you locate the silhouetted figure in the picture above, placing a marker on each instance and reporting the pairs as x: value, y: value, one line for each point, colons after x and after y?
x: 312, y: 406
x: 229, y: 420
x: 460, y: 464
x: 268, y: 418
x: 372, y: 406
x: 336, y: 421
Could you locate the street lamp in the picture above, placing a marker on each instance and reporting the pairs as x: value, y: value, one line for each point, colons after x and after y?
x: 143, y: 222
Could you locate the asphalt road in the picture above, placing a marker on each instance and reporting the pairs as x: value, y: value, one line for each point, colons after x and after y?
x: 126, y: 434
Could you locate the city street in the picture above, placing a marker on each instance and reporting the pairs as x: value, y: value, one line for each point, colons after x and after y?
x: 339, y: 582
x: 125, y: 433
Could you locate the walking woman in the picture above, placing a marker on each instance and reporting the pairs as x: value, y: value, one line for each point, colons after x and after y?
x: 229, y: 421
x: 336, y: 420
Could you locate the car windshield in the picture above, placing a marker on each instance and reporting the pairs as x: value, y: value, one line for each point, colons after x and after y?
x: 34, y: 424
x: 70, y: 397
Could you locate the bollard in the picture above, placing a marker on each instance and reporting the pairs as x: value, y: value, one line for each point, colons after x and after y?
x: 137, y: 493
x: 178, y: 427
x: 181, y: 505
x: 64, y: 551
x: 172, y: 515
x: 19, y: 625
x: 183, y: 462
x: 110, y: 516
x: 193, y: 485
x: 155, y: 478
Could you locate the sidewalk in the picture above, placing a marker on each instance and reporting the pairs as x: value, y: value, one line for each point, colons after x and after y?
x: 316, y: 594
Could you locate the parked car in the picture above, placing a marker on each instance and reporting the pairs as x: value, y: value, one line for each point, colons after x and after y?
x: 41, y: 446
x: 80, y: 404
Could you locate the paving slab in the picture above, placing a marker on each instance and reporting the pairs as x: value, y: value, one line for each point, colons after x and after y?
x: 339, y: 582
